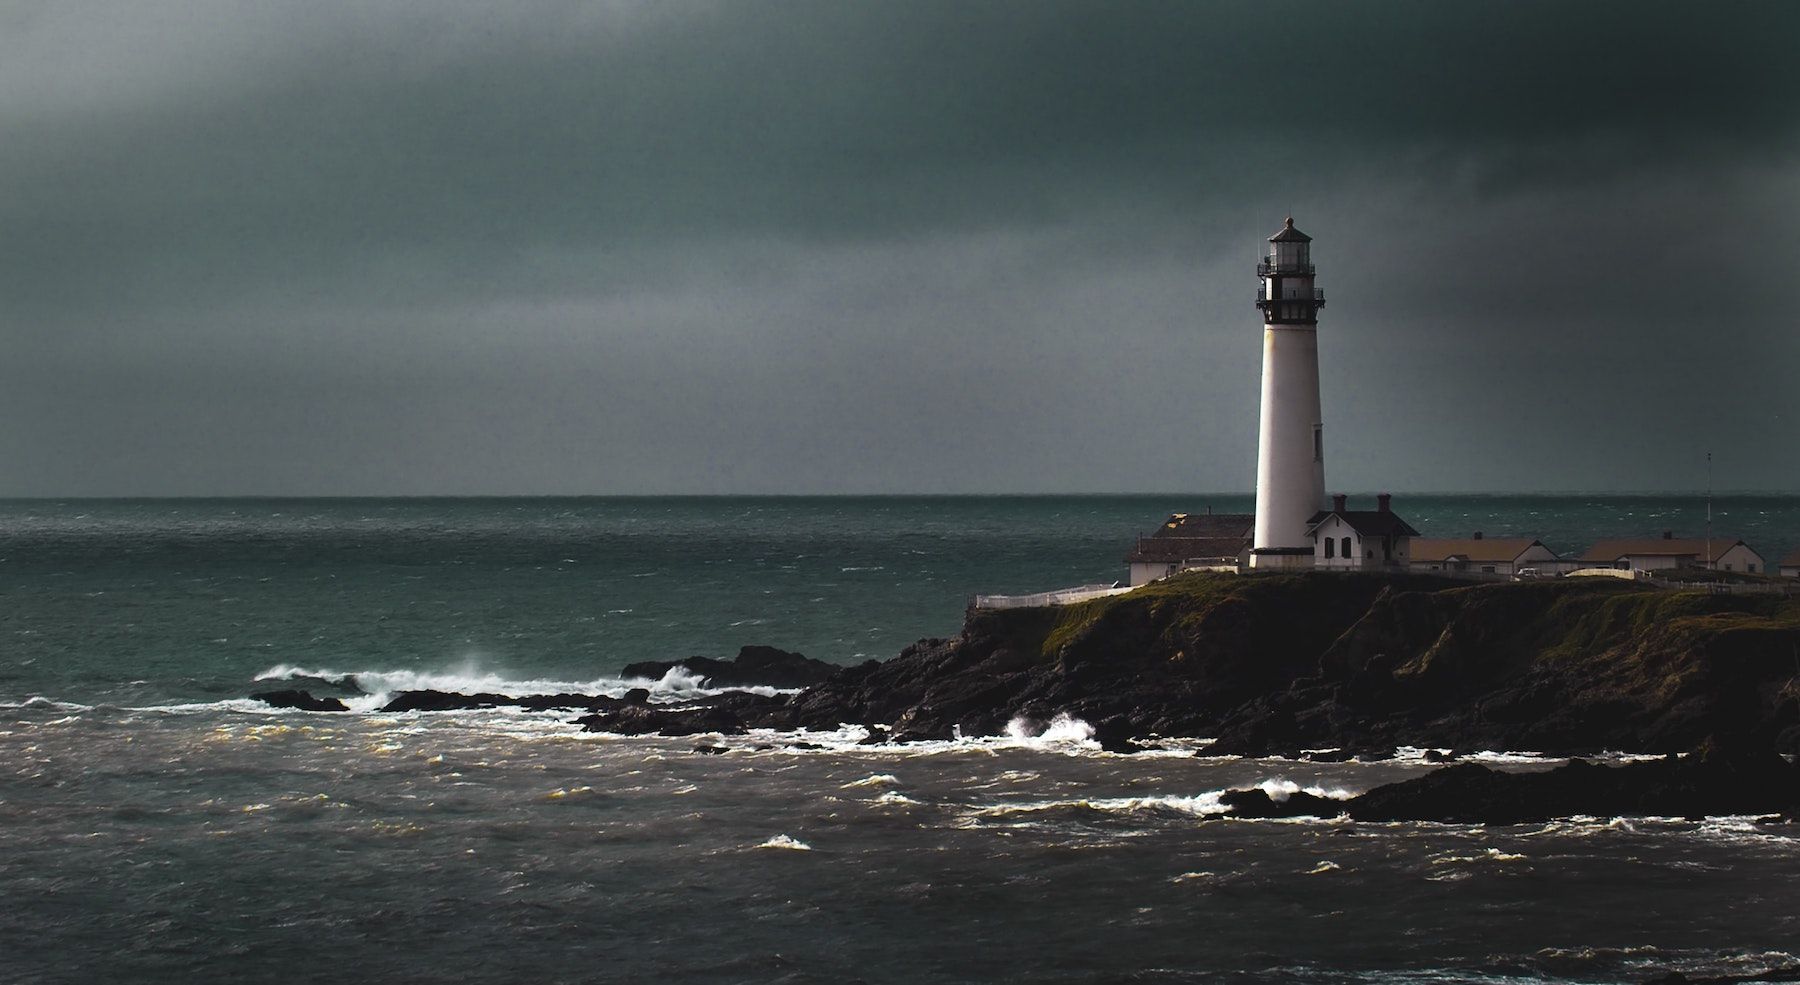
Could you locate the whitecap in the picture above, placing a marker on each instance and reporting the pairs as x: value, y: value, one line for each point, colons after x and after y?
x: 1280, y: 789
x: 1202, y: 805
x: 38, y: 702
x: 1064, y: 728
x: 786, y: 843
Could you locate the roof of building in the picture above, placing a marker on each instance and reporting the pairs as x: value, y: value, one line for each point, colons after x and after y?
x: 1369, y: 523
x: 1289, y: 234
x: 1472, y: 548
x: 1174, y: 550
x: 1694, y: 547
x: 1186, y: 536
x: 1207, y: 525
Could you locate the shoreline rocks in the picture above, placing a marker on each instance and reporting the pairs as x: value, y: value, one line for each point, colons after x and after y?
x: 302, y: 700
x: 754, y: 666
x: 1291, y: 664
x: 1361, y: 663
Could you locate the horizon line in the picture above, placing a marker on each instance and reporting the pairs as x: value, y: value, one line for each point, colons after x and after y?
x: 1245, y: 494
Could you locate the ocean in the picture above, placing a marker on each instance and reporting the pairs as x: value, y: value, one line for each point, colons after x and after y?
x: 158, y: 826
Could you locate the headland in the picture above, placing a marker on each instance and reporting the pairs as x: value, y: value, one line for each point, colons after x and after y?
x: 1320, y: 665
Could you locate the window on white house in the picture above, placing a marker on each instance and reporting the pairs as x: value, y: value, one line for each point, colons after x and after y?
x: 1347, y: 547
x: 1318, y: 442
x: 1329, y: 545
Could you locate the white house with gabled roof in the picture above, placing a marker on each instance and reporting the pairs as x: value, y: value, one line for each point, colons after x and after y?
x: 1353, y: 540
x: 1790, y: 565
x: 1670, y: 551
x: 1482, y: 555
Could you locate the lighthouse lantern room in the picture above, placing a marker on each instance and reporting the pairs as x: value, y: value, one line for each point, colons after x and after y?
x: 1290, y: 461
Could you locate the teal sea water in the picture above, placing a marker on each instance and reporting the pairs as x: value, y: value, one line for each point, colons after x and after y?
x: 156, y: 826
x: 159, y: 601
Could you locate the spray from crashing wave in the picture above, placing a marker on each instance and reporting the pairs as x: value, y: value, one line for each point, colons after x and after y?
x: 1064, y: 729
x: 370, y: 690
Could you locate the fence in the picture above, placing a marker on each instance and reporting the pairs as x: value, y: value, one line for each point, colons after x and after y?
x: 1062, y: 596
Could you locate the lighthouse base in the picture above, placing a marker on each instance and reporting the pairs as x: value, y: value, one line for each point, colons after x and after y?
x: 1281, y: 558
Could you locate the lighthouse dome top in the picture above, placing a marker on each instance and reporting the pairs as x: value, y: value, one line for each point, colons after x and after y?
x: 1289, y: 234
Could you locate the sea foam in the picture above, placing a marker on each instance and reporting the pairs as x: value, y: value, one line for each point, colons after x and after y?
x: 678, y: 684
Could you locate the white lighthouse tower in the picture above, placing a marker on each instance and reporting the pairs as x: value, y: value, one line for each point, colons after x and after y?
x: 1290, y: 458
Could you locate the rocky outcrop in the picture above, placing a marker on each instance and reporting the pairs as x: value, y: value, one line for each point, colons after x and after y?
x: 302, y: 700
x: 651, y: 720
x: 1566, y: 667
x: 753, y: 666
x: 1171, y: 659
x: 1282, y: 663
x: 1291, y: 665
x: 429, y: 700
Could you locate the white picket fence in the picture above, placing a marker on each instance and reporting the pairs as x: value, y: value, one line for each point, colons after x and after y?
x: 1062, y: 596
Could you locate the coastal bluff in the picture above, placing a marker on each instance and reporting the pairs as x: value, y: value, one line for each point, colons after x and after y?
x: 1279, y: 664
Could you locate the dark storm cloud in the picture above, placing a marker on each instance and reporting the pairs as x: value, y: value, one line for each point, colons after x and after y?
x: 692, y: 247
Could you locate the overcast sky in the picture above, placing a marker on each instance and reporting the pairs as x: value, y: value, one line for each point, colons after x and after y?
x: 342, y: 247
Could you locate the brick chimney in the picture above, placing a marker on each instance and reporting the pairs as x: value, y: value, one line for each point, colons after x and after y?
x: 1668, y: 535
x: 1337, y: 503
x: 1385, y: 502
x: 1477, y: 535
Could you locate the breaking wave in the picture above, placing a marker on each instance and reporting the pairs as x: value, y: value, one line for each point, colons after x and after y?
x: 377, y: 687
x: 1063, y: 728
x: 1279, y: 790
x: 786, y: 843
x: 1203, y: 805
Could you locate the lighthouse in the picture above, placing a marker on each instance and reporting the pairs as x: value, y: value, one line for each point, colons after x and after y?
x: 1290, y: 456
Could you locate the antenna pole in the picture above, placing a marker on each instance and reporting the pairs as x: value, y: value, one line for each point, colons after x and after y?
x: 1709, y: 558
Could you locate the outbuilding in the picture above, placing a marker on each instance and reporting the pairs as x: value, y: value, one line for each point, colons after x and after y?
x: 1790, y: 565
x: 1478, y: 554
x: 1351, y: 540
x: 1670, y: 551
x: 1192, y: 540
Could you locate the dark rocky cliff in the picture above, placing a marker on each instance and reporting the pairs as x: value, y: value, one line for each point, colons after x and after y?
x: 1277, y: 663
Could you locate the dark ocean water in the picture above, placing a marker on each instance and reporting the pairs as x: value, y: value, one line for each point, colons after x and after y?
x: 155, y: 826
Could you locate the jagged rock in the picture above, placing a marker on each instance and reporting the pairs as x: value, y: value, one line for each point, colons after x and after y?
x: 1701, y: 784
x: 650, y: 720
x: 753, y: 666
x: 430, y: 700
x: 567, y: 702
x: 1256, y: 802
x: 637, y: 696
x: 1115, y: 734
x: 301, y: 700
x: 345, y: 684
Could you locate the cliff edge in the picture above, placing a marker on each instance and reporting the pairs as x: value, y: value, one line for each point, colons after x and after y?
x: 1273, y: 664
